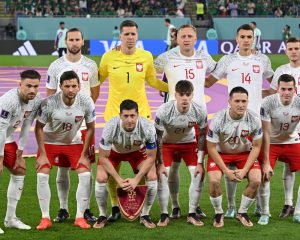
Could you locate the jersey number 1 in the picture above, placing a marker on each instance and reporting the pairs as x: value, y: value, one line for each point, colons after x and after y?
x: 246, y: 78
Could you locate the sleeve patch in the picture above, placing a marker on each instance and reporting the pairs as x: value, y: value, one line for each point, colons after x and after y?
x: 4, y: 114
x: 151, y: 145
x: 210, y: 133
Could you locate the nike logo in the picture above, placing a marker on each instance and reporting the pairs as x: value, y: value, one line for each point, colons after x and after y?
x: 176, y: 65
x: 234, y: 69
x: 20, y: 189
x: 116, y: 67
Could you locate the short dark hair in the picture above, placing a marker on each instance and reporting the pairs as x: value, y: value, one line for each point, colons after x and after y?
x: 238, y: 90
x: 31, y: 74
x: 184, y: 86
x: 254, y: 23
x: 292, y: 40
x: 129, y: 104
x: 61, y: 23
x: 244, y: 27
x: 286, y: 78
x: 128, y: 23
x: 168, y: 20
x: 68, y: 75
x: 73, y: 30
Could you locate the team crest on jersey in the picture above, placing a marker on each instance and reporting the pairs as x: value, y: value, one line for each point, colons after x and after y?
x: 85, y: 76
x: 295, y: 118
x: 199, y: 64
x: 244, y: 133
x: 78, y: 118
x: 137, y: 142
x: 4, y: 114
x: 191, y: 124
x: 139, y: 67
x: 27, y: 114
x: 256, y: 68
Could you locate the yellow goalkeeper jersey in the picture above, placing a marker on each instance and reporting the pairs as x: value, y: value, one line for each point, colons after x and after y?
x: 127, y: 75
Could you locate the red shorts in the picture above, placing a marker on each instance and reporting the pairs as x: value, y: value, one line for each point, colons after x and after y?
x: 186, y: 151
x: 63, y: 155
x: 10, y: 155
x: 238, y: 160
x: 288, y: 153
x: 134, y: 158
x: 91, y: 154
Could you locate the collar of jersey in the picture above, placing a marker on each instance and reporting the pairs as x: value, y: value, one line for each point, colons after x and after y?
x: 62, y: 101
x: 235, y: 120
x: 73, y: 63
x: 134, y: 130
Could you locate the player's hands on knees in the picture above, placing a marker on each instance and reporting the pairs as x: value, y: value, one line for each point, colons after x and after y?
x: 129, y: 184
x: 231, y: 175
x: 240, y: 173
x: 20, y: 163
x: 161, y: 169
x: 40, y: 162
x: 200, y: 170
x: 85, y: 161
x: 267, y: 172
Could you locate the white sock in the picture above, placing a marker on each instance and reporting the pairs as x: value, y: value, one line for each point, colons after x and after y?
x: 297, y: 207
x: 101, y: 194
x: 230, y: 191
x: 217, y: 204
x: 194, y: 190
x: 14, y: 192
x: 288, y: 184
x: 163, y: 192
x: 245, y: 204
x: 63, y: 186
x: 151, y: 194
x: 91, y: 191
x: 174, y: 182
x: 83, y: 193
x: 264, y: 194
x: 44, y: 194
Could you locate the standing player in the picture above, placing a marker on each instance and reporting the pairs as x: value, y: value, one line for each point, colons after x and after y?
x: 280, y: 114
x: 247, y: 70
x: 127, y: 69
x: 87, y: 72
x: 228, y: 143
x: 175, y: 127
x: 59, y: 139
x: 184, y: 62
x: 131, y: 138
x: 292, y: 68
x: 59, y: 43
x: 17, y: 106
x: 256, y: 36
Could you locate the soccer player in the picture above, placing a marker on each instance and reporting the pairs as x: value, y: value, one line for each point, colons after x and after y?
x: 280, y: 114
x: 17, y: 107
x: 87, y: 72
x: 127, y: 137
x: 292, y: 68
x: 247, y: 70
x: 59, y: 43
x: 184, y: 62
x: 59, y: 140
x: 175, y: 127
x: 256, y: 36
x: 127, y: 69
x: 228, y: 143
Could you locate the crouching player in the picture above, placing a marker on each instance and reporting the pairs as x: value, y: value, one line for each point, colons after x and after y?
x: 58, y: 135
x: 228, y: 143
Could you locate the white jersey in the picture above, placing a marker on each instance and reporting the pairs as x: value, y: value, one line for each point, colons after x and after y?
x: 232, y: 136
x: 116, y: 138
x: 284, y: 119
x: 286, y: 69
x: 62, y: 121
x: 256, y: 37
x: 60, y: 38
x: 247, y: 72
x: 85, y: 68
x: 179, y: 127
x: 13, y: 112
x: 178, y: 67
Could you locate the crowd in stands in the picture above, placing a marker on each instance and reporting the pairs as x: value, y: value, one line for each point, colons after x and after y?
x: 234, y: 8
x: 93, y: 8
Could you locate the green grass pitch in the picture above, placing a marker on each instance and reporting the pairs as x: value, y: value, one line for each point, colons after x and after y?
x: 28, y: 208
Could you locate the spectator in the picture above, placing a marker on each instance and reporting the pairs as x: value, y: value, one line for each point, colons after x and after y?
x: 21, y: 34
x: 286, y: 33
x: 233, y: 8
x: 180, y: 7
x: 278, y: 12
x: 251, y: 8
x: 200, y: 9
x: 10, y: 31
